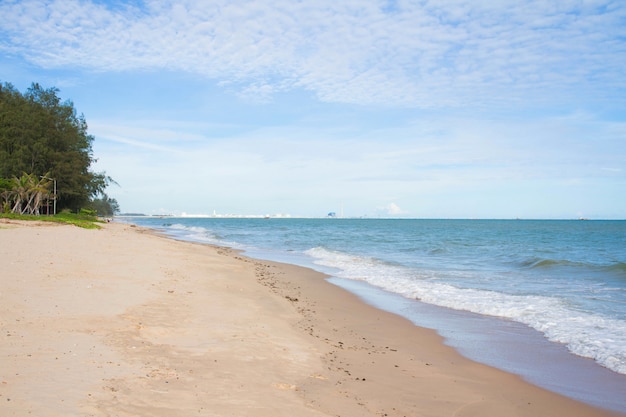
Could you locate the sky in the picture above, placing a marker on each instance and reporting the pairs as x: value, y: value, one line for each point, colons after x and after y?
x: 394, y: 108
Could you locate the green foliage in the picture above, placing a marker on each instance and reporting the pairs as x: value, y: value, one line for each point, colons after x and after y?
x: 81, y: 220
x: 87, y: 221
x: 27, y: 194
x: 87, y: 212
x: 105, y: 206
x: 6, y: 188
x: 42, y: 136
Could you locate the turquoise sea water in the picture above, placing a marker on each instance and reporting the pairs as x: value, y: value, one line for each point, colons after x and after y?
x: 541, y: 298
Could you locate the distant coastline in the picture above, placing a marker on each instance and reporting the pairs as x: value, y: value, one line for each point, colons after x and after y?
x: 185, y: 215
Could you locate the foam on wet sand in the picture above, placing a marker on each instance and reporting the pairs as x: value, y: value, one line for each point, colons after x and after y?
x: 120, y: 321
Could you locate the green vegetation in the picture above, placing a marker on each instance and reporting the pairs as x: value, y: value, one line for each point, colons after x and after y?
x: 46, y: 155
x: 86, y: 221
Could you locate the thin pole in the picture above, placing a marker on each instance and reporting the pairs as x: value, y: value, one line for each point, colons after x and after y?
x: 54, y: 180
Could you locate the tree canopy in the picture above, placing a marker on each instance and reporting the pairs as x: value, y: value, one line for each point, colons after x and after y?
x: 43, y: 138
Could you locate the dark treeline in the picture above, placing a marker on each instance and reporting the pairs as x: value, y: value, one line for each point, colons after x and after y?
x: 43, y: 140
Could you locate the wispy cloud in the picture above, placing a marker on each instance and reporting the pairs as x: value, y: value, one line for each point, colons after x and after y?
x: 445, y: 152
x: 427, y: 54
x: 460, y: 104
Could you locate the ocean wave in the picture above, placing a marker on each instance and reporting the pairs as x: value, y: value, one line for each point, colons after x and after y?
x: 589, y: 335
x: 438, y: 251
x: 195, y: 233
x: 540, y: 263
x: 179, y: 226
x: 619, y: 267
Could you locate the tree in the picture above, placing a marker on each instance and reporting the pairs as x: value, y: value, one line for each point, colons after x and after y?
x: 27, y: 193
x: 6, y: 191
x: 40, y: 134
x: 105, y: 206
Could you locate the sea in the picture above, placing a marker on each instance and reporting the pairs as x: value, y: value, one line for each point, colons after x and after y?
x: 543, y: 299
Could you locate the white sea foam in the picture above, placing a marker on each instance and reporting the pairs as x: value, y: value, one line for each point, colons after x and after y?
x: 200, y: 234
x: 589, y: 335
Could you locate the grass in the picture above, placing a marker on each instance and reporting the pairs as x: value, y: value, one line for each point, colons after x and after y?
x: 80, y: 220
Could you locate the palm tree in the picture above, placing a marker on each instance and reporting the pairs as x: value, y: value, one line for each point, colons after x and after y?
x: 37, y: 193
x: 19, y: 192
x: 29, y: 192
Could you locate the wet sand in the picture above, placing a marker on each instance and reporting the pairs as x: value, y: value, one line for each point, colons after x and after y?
x: 122, y: 322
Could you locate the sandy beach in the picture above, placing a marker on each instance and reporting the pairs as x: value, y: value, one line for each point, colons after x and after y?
x: 122, y: 322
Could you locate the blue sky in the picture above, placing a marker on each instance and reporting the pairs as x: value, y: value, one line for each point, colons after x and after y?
x: 449, y: 108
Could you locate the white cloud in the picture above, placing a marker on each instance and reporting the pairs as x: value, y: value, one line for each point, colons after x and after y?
x: 311, y: 170
x: 393, y: 209
x: 445, y: 53
x: 155, y: 134
x: 461, y: 104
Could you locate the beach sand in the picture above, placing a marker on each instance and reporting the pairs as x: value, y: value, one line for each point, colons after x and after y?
x: 122, y: 322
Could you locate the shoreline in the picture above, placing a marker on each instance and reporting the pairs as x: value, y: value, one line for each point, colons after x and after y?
x: 501, y: 343
x: 506, y: 345
x: 123, y: 321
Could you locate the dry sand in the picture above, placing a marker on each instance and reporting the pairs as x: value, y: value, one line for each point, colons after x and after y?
x: 122, y: 322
